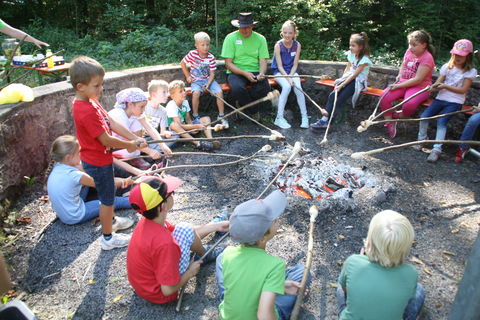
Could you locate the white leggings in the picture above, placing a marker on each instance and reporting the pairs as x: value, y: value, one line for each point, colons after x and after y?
x: 286, y: 88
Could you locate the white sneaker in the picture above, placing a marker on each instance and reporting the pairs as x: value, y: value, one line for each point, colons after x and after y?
x: 282, y: 123
x: 304, y: 124
x: 224, y: 123
x: 116, y: 241
x: 121, y: 223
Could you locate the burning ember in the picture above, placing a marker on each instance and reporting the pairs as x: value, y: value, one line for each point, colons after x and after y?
x: 320, y: 178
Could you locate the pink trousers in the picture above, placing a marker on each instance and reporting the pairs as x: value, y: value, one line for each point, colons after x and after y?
x: 409, y: 107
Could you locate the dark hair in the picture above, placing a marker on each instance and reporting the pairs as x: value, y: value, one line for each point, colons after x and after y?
x: 162, y: 188
x: 422, y: 36
x: 362, y: 40
x: 83, y: 69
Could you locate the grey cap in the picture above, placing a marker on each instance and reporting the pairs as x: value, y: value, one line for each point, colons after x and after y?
x: 251, y: 219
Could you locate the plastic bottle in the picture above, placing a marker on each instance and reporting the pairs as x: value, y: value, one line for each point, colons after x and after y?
x: 50, y: 63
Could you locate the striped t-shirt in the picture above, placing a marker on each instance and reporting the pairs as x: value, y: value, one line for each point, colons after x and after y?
x: 200, y: 67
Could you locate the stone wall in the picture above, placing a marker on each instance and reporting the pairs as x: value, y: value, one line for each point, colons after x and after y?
x: 28, y: 129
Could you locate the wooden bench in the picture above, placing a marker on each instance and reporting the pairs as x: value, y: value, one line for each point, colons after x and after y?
x: 375, y: 92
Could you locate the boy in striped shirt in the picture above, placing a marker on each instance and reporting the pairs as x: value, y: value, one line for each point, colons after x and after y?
x: 201, y: 75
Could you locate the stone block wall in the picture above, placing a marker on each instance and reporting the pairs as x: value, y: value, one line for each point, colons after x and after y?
x: 28, y: 129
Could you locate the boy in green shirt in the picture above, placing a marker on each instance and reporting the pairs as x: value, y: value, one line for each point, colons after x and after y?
x: 252, y: 283
x: 246, y: 53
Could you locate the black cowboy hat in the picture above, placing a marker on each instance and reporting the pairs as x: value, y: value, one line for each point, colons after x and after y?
x: 245, y: 19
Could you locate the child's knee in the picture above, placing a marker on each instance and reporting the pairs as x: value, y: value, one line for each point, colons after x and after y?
x: 205, y: 120
x: 196, y: 94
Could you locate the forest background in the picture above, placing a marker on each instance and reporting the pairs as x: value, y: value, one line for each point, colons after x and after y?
x: 131, y: 33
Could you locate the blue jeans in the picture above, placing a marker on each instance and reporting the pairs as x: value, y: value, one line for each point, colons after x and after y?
x: 411, y: 311
x: 283, y: 303
x: 92, y: 208
x: 214, y: 86
x: 104, y: 183
x: 437, y: 107
x: 470, y: 129
x: 342, y: 96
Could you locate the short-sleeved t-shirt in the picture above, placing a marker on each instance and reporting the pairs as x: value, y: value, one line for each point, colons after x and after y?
x: 152, y: 260
x: 411, y: 63
x: 200, y: 67
x: 64, y: 187
x: 91, y: 120
x: 454, y: 77
x: 375, y: 292
x: 356, y: 63
x: 174, y: 111
x: 157, y: 117
x: 2, y: 24
x: 247, y: 272
x: 245, y: 52
x: 131, y: 123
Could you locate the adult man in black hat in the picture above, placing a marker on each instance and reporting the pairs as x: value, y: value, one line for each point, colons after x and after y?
x: 246, y: 53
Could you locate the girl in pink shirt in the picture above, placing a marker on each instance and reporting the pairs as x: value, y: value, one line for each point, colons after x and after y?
x: 414, y: 75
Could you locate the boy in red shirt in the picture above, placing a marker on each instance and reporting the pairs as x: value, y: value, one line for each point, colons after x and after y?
x: 158, y: 256
x: 94, y: 133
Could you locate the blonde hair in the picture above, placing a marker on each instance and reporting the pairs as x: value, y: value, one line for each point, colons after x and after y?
x: 83, y: 69
x: 63, y: 146
x: 154, y: 85
x: 293, y: 25
x: 174, y: 85
x: 201, y: 36
x: 390, y: 237
x: 422, y: 36
x: 468, y: 62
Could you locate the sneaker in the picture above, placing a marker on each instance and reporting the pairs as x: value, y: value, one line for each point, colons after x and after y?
x: 140, y: 164
x: 320, y: 124
x: 304, y: 123
x: 460, y: 154
x: 116, y: 241
x: 417, y: 147
x: 216, y: 144
x: 196, y: 120
x: 205, y: 146
x: 392, y: 129
x: 121, y: 223
x: 224, y: 123
x: 282, y: 123
x: 433, y: 156
x: 212, y: 256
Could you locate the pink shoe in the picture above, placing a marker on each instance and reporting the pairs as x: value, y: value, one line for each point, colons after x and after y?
x: 392, y: 129
x: 460, y: 154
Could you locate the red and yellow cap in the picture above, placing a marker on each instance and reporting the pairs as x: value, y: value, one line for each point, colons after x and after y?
x: 145, y: 197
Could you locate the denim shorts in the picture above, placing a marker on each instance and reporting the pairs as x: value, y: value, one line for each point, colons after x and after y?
x: 214, y: 86
x: 104, y: 183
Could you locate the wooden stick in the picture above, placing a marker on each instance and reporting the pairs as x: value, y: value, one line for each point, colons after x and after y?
x: 296, y: 149
x: 217, y: 127
x: 265, y: 148
x: 324, y: 140
x: 182, y: 290
x: 322, y: 111
x: 380, y: 101
x: 322, y: 77
x: 270, y: 137
x: 401, y: 103
x: 359, y: 155
x: 177, y: 154
x: 303, y: 284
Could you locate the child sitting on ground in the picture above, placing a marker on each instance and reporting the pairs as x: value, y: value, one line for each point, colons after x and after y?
x: 456, y: 78
x: 468, y: 132
x: 128, y: 111
x: 158, y: 257
x: 94, y: 132
x: 68, y: 187
x: 251, y: 283
x: 178, y: 112
x: 202, y: 75
x: 354, y: 79
x: 379, y: 285
x: 155, y: 113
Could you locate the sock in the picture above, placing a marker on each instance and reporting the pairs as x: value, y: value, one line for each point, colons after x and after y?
x: 107, y: 236
x: 195, y: 115
x: 221, y: 115
x: 324, y: 118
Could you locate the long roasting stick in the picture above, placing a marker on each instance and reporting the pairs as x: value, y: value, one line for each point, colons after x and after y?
x: 324, y: 140
x: 303, y: 284
x: 322, y: 77
x: 258, y: 136
x: 322, y: 111
x: 360, y: 155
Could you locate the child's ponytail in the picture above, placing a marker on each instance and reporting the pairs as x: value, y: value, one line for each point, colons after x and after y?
x: 423, y: 36
x: 361, y: 39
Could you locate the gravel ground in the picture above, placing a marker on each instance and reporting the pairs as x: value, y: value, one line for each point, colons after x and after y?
x: 63, y: 273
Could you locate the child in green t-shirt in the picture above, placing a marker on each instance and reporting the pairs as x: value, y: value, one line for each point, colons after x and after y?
x: 377, y: 284
x: 251, y: 283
